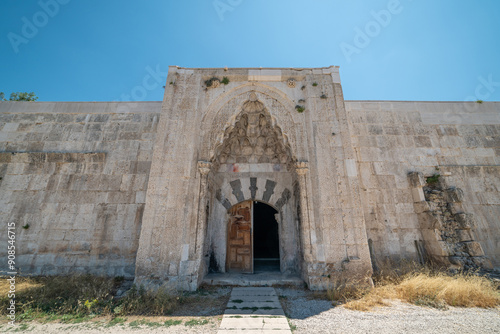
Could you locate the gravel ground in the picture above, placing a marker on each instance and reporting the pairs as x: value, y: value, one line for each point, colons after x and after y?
x: 314, y: 315
x: 310, y: 313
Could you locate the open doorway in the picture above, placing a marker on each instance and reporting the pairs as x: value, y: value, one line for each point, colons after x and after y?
x: 266, y: 238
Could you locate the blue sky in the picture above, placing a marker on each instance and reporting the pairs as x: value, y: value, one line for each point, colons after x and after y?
x: 102, y: 50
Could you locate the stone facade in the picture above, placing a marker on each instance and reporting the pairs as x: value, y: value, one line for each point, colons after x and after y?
x: 75, y: 176
x: 144, y: 189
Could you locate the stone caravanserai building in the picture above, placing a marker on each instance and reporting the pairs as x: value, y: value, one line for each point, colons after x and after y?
x: 241, y: 170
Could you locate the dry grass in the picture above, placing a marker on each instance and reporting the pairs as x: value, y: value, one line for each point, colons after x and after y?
x: 81, y: 297
x: 427, y: 286
x: 22, y: 284
x: 464, y: 290
x: 60, y: 295
x: 143, y: 302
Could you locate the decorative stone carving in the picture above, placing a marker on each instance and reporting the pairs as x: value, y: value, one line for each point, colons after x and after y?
x: 253, y: 138
x: 215, y: 125
x: 302, y: 167
x: 291, y: 83
x: 204, y: 167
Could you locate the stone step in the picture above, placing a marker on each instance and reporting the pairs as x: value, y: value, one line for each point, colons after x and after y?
x: 253, y: 280
x: 254, y: 298
x: 257, y: 310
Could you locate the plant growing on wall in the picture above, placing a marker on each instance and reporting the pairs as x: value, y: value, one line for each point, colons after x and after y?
x: 433, y: 179
x: 300, y: 108
x: 225, y: 80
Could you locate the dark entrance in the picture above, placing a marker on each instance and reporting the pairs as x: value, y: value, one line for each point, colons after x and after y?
x: 266, y: 238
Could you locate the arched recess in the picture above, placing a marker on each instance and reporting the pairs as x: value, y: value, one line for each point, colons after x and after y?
x: 252, y: 159
x: 222, y: 113
x: 253, y: 138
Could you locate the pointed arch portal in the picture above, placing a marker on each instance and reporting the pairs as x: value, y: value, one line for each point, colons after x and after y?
x: 223, y: 145
x: 254, y: 226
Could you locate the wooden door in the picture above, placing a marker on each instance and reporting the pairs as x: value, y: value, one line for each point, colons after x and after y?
x: 239, y: 238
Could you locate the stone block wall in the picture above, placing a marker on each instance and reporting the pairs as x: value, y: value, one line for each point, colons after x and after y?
x: 74, y: 179
x: 458, y: 140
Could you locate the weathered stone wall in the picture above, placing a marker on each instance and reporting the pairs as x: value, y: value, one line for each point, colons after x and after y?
x: 74, y: 179
x: 458, y: 140
x: 199, y: 111
x: 79, y: 176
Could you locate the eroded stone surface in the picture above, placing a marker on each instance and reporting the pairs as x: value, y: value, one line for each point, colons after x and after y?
x: 143, y: 189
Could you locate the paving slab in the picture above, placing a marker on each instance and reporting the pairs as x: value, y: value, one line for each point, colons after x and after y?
x: 254, y: 292
x: 256, y: 298
x: 258, y: 310
x: 254, y: 331
x: 254, y: 312
x: 254, y: 323
x: 261, y: 303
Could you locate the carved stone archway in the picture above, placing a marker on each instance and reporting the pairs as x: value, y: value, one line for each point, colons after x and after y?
x: 254, y: 161
x: 253, y: 139
x: 220, y: 116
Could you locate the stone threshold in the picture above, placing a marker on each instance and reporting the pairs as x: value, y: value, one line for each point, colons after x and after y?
x: 257, y: 279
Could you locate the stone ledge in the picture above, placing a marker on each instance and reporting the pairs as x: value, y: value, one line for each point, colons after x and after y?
x: 42, y: 157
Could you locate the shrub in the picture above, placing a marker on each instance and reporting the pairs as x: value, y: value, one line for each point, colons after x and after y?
x: 300, y: 108
x: 433, y: 179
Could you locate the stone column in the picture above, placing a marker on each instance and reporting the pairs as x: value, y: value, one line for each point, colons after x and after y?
x: 204, y: 168
x: 301, y: 168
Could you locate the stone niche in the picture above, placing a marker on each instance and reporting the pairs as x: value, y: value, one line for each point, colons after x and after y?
x: 253, y: 139
x: 254, y: 162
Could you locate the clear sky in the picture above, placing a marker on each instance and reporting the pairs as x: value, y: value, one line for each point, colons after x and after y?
x: 106, y: 50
